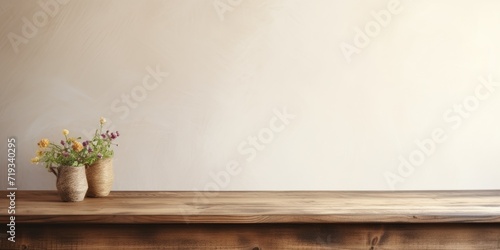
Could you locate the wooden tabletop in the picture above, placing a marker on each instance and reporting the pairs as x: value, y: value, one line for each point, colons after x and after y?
x: 260, y: 207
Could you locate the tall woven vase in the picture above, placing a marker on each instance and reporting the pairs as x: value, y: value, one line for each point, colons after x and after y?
x: 100, y: 177
x: 71, y: 183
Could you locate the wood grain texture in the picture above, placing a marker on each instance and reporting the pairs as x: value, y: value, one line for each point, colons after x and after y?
x: 451, y: 236
x: 261, y: 207
x: 258, y: 220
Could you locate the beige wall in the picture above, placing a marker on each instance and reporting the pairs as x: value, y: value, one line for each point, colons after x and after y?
x: 189, y: 84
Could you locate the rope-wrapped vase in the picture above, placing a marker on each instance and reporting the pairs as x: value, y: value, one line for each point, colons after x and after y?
x: 100, y: 177
x: 71, y: 183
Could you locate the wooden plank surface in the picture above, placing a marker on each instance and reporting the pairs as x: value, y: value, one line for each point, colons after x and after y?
x: 449, y: 236
x: 260, y: 207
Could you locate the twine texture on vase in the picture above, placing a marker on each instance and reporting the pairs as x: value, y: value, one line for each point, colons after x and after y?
x: 71, y: 183
x: 100, y: 178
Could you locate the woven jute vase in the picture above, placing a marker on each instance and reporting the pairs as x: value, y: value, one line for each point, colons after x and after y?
x: 71, y: 183
x: 100, y: 177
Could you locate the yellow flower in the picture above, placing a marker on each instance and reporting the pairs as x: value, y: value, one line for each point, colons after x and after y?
x: 43, y: 143
x: 102, y: 120
x: 72, y: 139
x: 77, y: 146
x: 39, y: 153
x: 35, y: 160
x: 65, y: 132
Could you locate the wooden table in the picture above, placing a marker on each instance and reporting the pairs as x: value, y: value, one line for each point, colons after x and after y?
x: 257, y: 220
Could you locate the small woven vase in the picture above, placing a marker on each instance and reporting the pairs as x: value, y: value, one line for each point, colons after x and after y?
x: 71, y: 183
x: 100, y: 177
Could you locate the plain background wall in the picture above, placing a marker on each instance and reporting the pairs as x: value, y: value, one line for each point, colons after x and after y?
x: 227, y: 68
